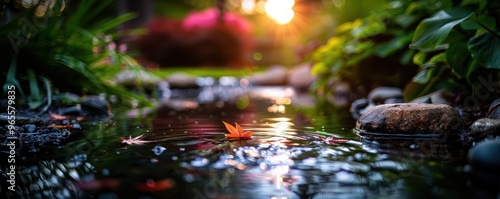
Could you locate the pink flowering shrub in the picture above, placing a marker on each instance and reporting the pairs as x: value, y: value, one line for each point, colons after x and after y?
x: 198, y: 40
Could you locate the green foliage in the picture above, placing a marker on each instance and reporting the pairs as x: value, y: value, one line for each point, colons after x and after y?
x: 373, y: 50
x: 485, y: 48
x: 453, y: 42
x: 465, y: 38
x: 434, y: 30
x: 72, y: 52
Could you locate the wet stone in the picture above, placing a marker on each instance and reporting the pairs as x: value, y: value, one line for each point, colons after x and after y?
x: 410, y: 118
x: 494, y: 109
x: 381, y: 94
x: 485, y: 127
x: 484, y: 159
x: 359, y: 107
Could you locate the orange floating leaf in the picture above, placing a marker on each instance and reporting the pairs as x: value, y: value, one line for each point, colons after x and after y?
x: 236, y: 132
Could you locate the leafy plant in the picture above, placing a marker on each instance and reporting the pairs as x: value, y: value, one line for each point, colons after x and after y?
x: 457, y: 45
x: 373, y: 51
x: 454, y: 43
x: 72, y: 52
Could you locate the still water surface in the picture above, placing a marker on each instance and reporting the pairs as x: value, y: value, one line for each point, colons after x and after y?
x: 297, y: 150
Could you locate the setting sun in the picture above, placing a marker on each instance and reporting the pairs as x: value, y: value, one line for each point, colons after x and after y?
x: 280, y: 10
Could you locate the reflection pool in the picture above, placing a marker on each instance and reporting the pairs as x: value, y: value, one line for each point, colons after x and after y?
x: 297, y: 150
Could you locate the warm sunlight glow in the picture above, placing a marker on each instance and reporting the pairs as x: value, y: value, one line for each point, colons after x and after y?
x: 247, y: 6
x: 260, y: 7
x: 280, y: 10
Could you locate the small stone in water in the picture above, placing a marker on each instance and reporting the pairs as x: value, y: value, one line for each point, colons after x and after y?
x: 485, y: 127
x: 158, y: 150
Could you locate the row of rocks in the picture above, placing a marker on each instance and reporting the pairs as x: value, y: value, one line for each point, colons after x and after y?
x: 298, y: 77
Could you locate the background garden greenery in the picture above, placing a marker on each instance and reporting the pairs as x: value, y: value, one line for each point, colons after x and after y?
x: 71, y: 51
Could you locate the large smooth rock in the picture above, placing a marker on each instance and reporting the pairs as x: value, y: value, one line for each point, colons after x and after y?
x: 411, y: 118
